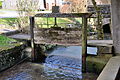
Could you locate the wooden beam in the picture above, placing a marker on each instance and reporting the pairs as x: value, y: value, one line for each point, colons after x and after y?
x: 32, y: 23
x: 63, y: 15
x: 84, y: 43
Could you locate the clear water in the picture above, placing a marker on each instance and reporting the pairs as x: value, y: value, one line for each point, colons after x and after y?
x: 63, y: 63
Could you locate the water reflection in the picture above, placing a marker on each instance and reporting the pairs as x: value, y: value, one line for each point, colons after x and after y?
x: 64, y: 63
x: 68, y: 51
x: 62, y: 67
x: 21, y: 76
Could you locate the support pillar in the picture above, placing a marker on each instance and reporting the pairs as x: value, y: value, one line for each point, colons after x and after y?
x: 116, y: 25
x: 84, y: 43
x: 32, y: 23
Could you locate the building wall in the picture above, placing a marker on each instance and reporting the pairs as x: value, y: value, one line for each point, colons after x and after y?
x: 74, y: 6
x: 116, y: 24
x: 41, y: 5
x: 51, y: 3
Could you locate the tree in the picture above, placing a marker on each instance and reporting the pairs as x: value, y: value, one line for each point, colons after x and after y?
x: 25, y: 9
x: 99, y: 20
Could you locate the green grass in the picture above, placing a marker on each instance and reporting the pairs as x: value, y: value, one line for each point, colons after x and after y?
x: 8, y: 43
x: 51, y: 20
x: 7, y: 21
x: 0, y: 3
x: 60, y: 21
x: 5, y: 40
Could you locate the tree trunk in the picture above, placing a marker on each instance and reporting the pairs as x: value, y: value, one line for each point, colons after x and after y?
x: 99, y: 21
x: 44, y: 3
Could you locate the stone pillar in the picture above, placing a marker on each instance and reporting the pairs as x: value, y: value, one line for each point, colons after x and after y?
x: 115, y: 4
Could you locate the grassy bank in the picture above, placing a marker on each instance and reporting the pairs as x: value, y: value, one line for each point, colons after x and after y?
x: 7, y: 43
x: 5, y: 40
x: 8, y: 21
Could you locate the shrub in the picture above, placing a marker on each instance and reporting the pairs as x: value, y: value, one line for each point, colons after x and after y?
x: 0, y: 3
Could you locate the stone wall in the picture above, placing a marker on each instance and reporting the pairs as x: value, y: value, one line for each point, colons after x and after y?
x: 58, y: 35
x: 11, y: 56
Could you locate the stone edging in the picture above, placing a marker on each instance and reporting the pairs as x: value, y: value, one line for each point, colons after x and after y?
x: 11, y: 56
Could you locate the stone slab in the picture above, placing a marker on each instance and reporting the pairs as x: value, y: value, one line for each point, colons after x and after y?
x: 111, y: 69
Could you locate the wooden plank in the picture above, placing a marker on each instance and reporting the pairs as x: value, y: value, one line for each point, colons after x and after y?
x: 99, y: 45
x: 63, y: 15
x: 32, y: 24
x: 60, y: 43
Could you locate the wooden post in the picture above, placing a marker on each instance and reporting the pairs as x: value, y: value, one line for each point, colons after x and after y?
x: 84, y: 43
x: 44, y: 3
x: 32, y: 38
x: 47, y: 23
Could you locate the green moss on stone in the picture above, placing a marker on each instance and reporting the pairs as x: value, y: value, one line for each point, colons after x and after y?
x: 96, y: 63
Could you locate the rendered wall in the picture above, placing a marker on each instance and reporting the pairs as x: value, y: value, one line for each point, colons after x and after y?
x: 116, y: 24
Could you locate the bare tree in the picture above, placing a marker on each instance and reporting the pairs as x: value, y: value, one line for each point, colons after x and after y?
x: 25, y: 9
x: 99, y: 21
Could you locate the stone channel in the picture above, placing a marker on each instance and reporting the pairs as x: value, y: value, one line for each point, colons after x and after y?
x: 62, y: 63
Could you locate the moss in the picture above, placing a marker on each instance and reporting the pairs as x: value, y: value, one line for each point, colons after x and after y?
x: 89, y: 76
x: 6, y: 47
x: 11, y: 56
x: 97, y: 63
